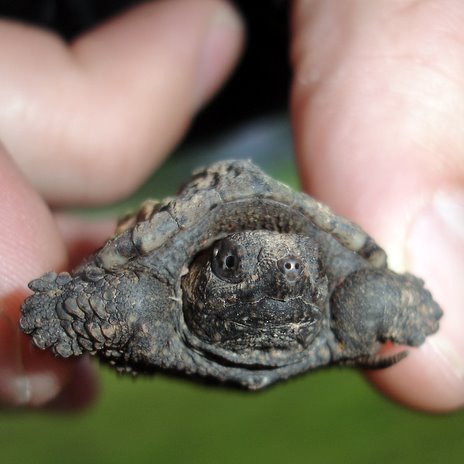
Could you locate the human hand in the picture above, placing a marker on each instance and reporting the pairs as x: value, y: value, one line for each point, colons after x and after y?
x: 378, y: 110
x: 85, y: 124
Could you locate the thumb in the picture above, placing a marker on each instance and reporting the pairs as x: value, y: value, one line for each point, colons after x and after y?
x: 374, y: 112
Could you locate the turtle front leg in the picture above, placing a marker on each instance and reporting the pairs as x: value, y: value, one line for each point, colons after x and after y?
x: 372, y: 306
x: 76, y: 314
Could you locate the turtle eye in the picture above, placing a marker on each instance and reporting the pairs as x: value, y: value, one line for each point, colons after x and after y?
x: 226, y: 261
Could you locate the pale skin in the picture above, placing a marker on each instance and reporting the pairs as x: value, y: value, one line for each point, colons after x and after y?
x: 377, y: 108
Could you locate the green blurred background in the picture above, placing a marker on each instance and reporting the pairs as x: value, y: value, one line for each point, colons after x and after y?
x: 327, y: 416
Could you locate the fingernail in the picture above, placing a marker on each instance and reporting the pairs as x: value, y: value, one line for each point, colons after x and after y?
x: 435, y: 252
x: 20, y: 384
x: 32, y: 390
x: 14, y: 387
x: 220, y: 49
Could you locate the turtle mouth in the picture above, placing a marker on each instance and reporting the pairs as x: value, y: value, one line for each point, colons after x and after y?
x: 270, y: 313
x: 266, y: 330
x: 272, y: 326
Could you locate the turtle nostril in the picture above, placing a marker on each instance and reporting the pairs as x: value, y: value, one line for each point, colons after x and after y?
x: 291, y: 267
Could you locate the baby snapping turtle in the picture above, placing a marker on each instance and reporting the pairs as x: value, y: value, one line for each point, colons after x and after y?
x: 238, y: 279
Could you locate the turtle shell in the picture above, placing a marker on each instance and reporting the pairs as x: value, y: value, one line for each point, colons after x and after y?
x: 227, y: 197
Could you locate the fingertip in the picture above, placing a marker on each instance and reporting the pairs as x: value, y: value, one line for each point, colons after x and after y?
x: 425, y: 380
x: 147, y: 39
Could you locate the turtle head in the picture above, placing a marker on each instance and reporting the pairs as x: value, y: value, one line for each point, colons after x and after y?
x: 260, y: 295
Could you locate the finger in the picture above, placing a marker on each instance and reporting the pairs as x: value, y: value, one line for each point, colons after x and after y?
x: 30, y: 245
x: 82, y: 236
x: 375, y: 111
x: 88, y: 122
x: 83, y: 385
